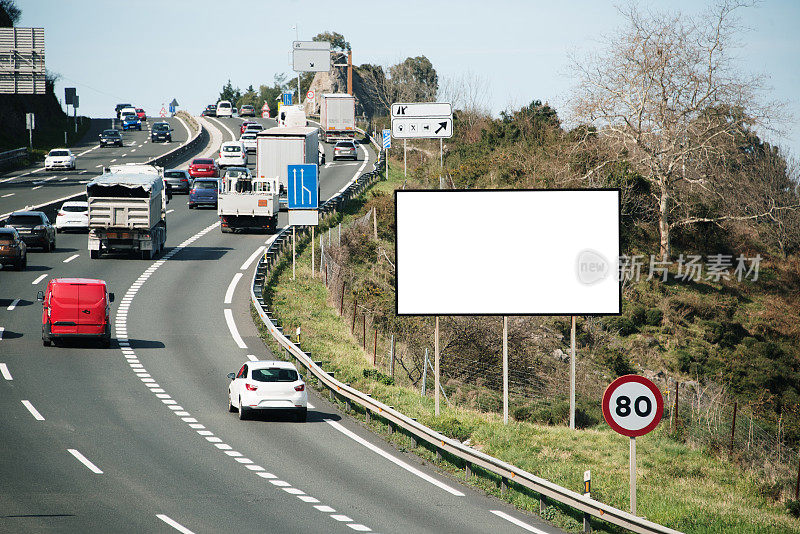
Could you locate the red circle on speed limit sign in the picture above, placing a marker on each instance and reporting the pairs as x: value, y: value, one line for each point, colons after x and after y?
x: 632, y: 405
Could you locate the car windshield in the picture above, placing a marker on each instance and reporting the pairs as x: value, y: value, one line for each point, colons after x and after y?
x: 160, y: 127
x: 203, y: 162
x: 111, y: 133
x: 254, y: 127
x: 130, y: 117
x: 274, y: 374
x: 249, y: 136
x: 232, y: 148
x: 200, y: 184
x: 174, y: 174
x: 25, y: 219
x: 75, y: 209
x: 345, y: 145
x: 224, y: 105
x: 139, y: 110
x: 59, y: 153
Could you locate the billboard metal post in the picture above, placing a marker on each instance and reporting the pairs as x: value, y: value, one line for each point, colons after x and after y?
x: 633, y: 475
x: 505, y: 370
x: 436, y: 366
x: 572, y: 375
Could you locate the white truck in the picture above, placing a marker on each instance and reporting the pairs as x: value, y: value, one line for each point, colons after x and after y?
x: 337, y: 117
x: 290, y: 116
x: 245, y: 202
x: 128, y: 210
x: 277, y: 148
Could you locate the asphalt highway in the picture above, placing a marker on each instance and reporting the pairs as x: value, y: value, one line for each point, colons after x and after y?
x: 137, y: 437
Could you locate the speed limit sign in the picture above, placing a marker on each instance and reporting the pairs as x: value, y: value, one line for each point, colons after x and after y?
x: 632, y: 405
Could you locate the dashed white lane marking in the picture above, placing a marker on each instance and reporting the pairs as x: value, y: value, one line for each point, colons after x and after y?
x: 174, y: 524
x: 411, y: 469
x: 98, y: 166
x: 252, y: 258
x: 83, y: 172
x: 125, y: 154
x: 34, y: 412
x: 71, y: 258
x: 232, y: 287
x: 13, y: 305
x: 252, y: 357
x: 4, y: 369
x: 38, y: 279
x: 323, y: 508
x: 7, y: 195
x: 234, y: 331
x: 113, y: 160
x: 170, y: 211
x: 517, y: 522
x: 65, y: 178
x: 85, y: 461
x: 87, y: 151
x: 37, y: 187
x: 133, y: 150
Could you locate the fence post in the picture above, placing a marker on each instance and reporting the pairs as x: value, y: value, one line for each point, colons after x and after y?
x: 341, y: 301
x: 391, y: 357
x: 375, y: 348
x: 675, y: 410
x: 355, y: 310
x: 364, y: 328
x: 733, y: 425
x: 797, y: 488
x: 425, y: 372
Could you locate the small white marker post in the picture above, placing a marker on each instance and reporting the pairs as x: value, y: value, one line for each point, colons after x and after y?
x: 587, y: 492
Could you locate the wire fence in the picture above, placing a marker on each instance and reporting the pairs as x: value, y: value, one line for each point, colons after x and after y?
x: 705, y: 414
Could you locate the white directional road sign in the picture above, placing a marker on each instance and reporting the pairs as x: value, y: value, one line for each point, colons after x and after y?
x: 311, y: 56
x: 423, y: 127
x: 421, y: 109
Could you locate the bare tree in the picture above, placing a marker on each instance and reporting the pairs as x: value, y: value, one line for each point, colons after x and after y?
x: 666, y: 96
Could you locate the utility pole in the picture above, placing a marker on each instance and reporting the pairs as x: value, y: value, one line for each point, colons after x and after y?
x: 350, y: 72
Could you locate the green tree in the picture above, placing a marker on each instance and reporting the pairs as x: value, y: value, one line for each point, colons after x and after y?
x: 415, y: 80
x: 337, y: 41
x: 9, y: 13
x: 229, y: 93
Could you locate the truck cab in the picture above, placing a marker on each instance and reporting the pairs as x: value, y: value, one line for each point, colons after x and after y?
x: 247, y: 202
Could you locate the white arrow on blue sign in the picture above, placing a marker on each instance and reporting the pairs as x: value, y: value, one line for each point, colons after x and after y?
x: 387, y: 139
x: 287, y: 99
x: 303, y: 191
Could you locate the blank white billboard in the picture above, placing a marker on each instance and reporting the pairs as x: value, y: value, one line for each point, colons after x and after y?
x: 508, y: 252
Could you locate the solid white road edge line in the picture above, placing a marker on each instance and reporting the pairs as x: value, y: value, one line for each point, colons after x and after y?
x: 397, y: 461
x: 174, y: 524
x: 252, y: 258
x: 232, y: 327
x: 34, y: 412
x: 13, y: 305
x: 232, y: 287
x: 85, y: 461
x: 4, y: 371
x: 233, y: 137
x: 517, y: 522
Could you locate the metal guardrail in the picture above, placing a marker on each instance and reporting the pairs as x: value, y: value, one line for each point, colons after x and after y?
x: 12, y: 155
x: 51, y: 207
x: 507, y: 472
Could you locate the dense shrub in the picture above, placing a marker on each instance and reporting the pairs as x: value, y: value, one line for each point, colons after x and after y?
x: 621, y: 324
x: 654, y: 317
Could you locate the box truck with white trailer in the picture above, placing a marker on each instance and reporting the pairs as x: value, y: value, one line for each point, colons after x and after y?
x: 278, y: 147
x: 337, y: 117
x: 128, y: 210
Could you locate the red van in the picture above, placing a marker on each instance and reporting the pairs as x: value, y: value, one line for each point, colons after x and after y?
x: 76, y: 308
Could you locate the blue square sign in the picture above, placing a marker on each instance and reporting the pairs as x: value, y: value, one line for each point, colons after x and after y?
x: 387, y: 139
x: 287, y: 99
x: 303, y: 190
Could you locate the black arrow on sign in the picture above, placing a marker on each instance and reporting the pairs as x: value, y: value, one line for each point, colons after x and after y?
x: 442, y: 126
x: 311, y: 65
x: 401, y: 110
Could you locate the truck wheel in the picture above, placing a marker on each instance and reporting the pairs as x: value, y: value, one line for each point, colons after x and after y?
x: 146, y: 254
x: 94, y: 254
x: 226, y: 229
x: 46, y: 342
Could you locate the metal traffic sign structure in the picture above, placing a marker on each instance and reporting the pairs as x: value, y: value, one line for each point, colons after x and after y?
x: 22, y: 68
x: 422, y: 120
x: 632, y: 406
x: 311, y: 56
x: 303, y: 202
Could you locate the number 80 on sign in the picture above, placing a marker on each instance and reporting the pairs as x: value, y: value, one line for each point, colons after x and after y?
x: 632, y: 405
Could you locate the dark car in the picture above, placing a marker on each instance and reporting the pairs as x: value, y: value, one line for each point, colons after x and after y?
x: 110, y: 137
x: 13, y: 250
x: 34, y: 228
x: 120, y: 107
x: 178, y: 179
x: 210, y: 111
x: 247, y: 111
x: 203, y: 192
x: 345, y: 149
x: 161, y: 131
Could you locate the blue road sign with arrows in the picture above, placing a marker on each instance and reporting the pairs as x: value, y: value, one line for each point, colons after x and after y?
x: 387, y: 139
x: 303, y: 191
x: 287, y: 99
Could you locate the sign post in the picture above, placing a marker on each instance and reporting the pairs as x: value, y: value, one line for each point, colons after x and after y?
x: 30, y: 124
x: 303, y: 202
x: 632, y: 406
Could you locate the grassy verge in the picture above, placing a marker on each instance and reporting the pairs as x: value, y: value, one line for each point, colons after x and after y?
x: 683, y: 488
x: 47, y: 138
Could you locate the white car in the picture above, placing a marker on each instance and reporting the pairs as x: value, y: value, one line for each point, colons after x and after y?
x: 224, y: 109
x: 60, y: 158
x: 253, y: 128
x: 232, y: 153
x: 248, y: 139
x: 267, y: 385
x: 73, y: 215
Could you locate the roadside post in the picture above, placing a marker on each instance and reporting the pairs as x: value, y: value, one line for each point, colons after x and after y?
x: 75, y: 104
x: 30, y: 124
x: 587, y: 492
x: 632, y: 406
x: 303, y: 203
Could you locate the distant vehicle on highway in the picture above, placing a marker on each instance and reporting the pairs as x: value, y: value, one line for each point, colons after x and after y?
x: 345, y: 149
x: 247, y: 111
x: 110, y: 137
x: 34, y: 228
x: 161, y: 131
x: 232, y: 153
x: 267, y: 385
x: 203, y: 192
x: 244, y: 125
x: 73, y: 215
x: 131, y: 122
x: 203, y: 168
x: 178, y: 179
x: 224, y: 108
x: 249, y: 141
x: 253, y: 128
x: 59, y: 158
x: 210, y: 111
x: 127, y: 110
x: 120, y: 107
x: 141, y: 114
x: 77, y: 308
x: 13, y: 250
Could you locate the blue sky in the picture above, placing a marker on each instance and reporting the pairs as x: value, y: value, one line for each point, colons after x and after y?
x: 148, y: 51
